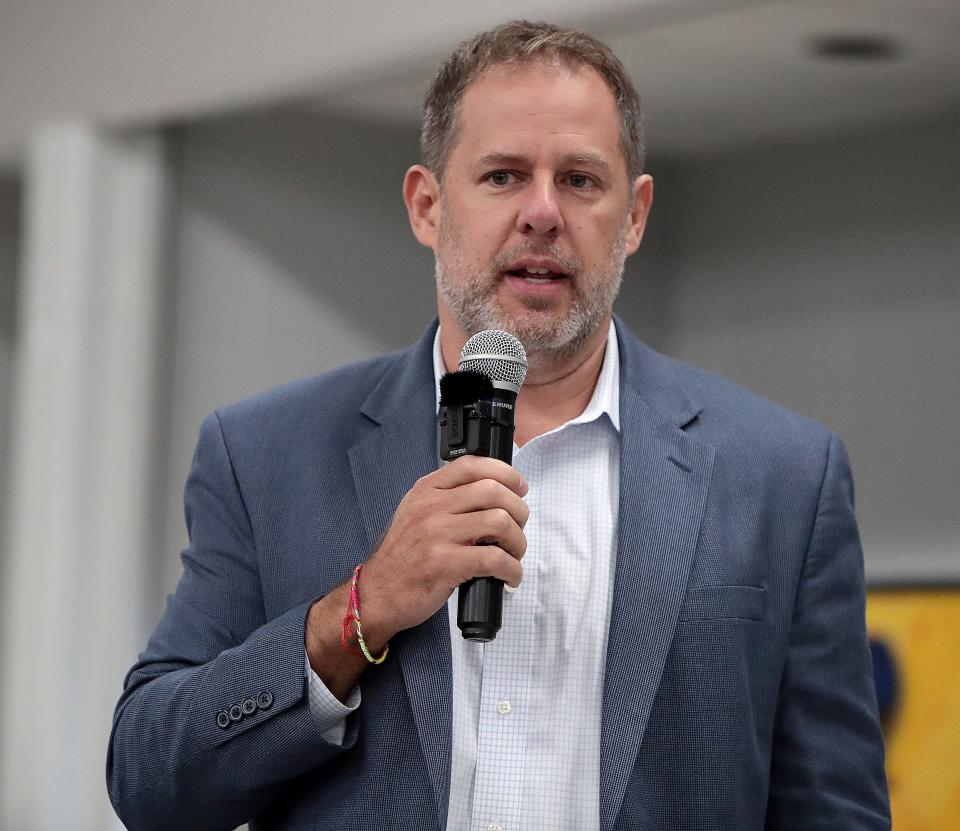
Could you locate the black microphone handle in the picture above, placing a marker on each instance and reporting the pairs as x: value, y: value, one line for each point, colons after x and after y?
x: 480, y: 604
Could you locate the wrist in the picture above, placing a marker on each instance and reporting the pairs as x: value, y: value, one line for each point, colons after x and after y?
x: 323, y: 637
x: 377, y: 617
x: 353, y: 624
x: 337, y: 669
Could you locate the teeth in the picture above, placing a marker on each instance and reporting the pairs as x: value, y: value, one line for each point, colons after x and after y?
x: 530, y: 270
x: 537, y: 281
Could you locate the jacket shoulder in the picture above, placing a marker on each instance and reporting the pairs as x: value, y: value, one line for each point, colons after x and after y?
x: 721, y: 412
x: 758, y: 440
x: 310, y: 404
x: 738, y: 409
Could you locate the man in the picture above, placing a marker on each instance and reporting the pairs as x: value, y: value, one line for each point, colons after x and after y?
x: 685, y: 648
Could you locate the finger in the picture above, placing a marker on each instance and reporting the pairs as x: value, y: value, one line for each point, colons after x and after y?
x: 490, y: 561
x: 468, y: 469
x: 492, y: 526
x: 486, y: 494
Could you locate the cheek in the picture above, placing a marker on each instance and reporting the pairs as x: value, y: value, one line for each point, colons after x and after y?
x: 476, y: 229
x: 593, y: 227
x: 593, y: 243
x: 484, y: 244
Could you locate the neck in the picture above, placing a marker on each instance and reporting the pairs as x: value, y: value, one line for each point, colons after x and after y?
x: 552, y: 393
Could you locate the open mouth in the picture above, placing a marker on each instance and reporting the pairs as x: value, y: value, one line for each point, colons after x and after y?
x: 537, y: 276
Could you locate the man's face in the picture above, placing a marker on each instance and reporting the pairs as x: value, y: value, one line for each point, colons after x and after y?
x: 535, y: 213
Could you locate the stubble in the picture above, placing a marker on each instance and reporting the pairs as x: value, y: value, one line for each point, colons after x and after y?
x: 471, y: 292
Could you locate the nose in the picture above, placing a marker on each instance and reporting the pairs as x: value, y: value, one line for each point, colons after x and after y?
x: 540, y: 212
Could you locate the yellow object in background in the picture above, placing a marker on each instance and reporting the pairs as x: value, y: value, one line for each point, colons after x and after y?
x: 916, y: 635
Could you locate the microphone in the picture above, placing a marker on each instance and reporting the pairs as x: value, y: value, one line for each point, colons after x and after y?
x: 476, y: 418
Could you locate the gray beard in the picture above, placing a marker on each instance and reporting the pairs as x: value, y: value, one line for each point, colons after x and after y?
x: 549, y: 341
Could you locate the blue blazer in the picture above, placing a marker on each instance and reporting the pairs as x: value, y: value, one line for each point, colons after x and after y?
x: 738, y: 691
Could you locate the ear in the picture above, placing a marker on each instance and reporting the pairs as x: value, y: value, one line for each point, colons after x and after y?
x: 642, y: 200
x: 421, y: 193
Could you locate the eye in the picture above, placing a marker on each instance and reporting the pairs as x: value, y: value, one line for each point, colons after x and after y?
x: 580, y: 181
x: 501, y: 178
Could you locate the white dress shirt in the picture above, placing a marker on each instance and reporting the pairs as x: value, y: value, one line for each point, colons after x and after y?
x: 527, y: 706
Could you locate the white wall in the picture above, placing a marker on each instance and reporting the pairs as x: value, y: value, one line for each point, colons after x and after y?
x: 827, y: 277
x: 82, y: 432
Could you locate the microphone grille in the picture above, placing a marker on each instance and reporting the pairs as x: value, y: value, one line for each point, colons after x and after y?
x: 498, y: 355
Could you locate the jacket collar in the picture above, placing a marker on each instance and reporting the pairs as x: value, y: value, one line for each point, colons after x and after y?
x: 409, y: 377
x: 652, y: 376
x: 654, y: 379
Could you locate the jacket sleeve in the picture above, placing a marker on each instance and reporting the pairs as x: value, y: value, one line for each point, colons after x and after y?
x: 827, y: 770
x: 214, y: 718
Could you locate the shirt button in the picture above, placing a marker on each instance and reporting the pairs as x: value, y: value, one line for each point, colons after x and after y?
x: 494, y: 826
x: 504, y: 708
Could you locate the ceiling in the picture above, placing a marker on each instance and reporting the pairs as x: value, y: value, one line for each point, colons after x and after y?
x: 720, y: 75
x: 714, y: 74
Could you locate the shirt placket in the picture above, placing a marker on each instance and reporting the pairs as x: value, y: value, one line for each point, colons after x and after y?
x: 505, y: 689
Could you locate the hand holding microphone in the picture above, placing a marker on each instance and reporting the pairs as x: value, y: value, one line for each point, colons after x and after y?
x: 461, y: 522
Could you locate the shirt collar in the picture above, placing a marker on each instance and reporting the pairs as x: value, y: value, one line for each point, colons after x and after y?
x: 606, y: 393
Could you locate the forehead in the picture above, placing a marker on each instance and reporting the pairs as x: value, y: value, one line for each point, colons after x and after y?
x: 536, y: 108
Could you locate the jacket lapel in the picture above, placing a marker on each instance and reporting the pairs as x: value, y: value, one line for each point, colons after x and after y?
x: 385, y: 464
x: 664, y: 477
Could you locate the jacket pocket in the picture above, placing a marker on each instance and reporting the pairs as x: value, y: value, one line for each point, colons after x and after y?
x: 718, y: 602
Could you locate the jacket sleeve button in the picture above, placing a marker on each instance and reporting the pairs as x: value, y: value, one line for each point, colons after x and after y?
x: 236, y: 713
x: 248, y: 706
x: 223, y: 719
x: 264, y: 700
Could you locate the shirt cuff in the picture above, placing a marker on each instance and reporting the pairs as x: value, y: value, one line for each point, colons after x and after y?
x: 329, y: 713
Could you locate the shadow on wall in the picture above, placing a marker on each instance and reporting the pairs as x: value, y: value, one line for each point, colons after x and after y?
x: 9, y: 260
x: 9, y: 247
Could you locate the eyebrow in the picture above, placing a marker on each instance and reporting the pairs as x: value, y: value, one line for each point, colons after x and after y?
x: 584, y: 159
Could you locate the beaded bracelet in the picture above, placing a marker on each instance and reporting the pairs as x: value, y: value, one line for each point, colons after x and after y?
x: 353, y: 616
